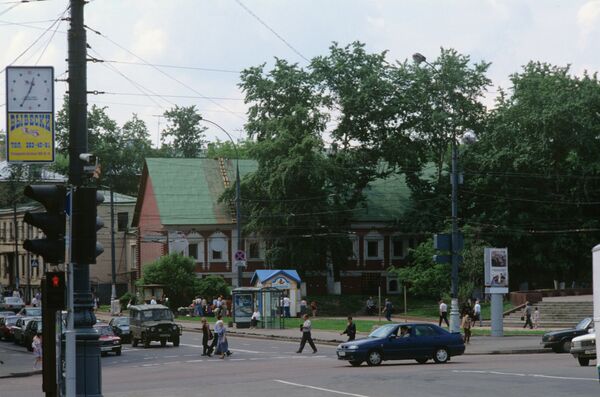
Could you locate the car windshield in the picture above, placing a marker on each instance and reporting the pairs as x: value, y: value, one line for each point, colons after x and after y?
x: 121, y: 321
x: 382, y: 332
x: 105, y: 330
x: 583, y: 324
x: 34, y: 311
x: 157, y: 315
x: 12, y: 300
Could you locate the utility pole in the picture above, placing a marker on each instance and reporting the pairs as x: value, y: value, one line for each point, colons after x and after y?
x: 16, y: 234
x: 113, y: 292
x: 158, y: 117
x: 89, y: 378
x: 456, y: 246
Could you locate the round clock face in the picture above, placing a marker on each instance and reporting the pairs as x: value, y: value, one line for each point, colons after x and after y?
x: 29, y: 89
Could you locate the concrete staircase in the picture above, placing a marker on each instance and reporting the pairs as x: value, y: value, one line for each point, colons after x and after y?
x: 556, y: 312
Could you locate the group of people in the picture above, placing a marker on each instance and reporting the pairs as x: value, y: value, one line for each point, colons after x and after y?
x: 215, y: 341
x: 470, y: 314
x: 217, y: 307
x: 386, y: 310
x: 530, y: 316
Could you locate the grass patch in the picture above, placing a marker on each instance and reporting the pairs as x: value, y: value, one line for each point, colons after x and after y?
x: 508, y: 332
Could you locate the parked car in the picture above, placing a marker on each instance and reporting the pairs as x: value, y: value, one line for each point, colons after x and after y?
x: 6, y: 326
x: 12, y: 303
x: 109, y: 342
x: 120, y: 326
x: 560, y: 341
x: 583, y: 348
x: 153, y: 323
x: 32, y: 328
x: 6, y: 313
x: 19, y: 329
x: 30, y: 311
x: 420, y: 342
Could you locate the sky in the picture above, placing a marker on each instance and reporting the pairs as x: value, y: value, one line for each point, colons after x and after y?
x: 218, y: 38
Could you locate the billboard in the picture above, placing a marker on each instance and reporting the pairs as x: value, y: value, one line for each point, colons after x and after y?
x: 496, y: 269
x: 30, y: 137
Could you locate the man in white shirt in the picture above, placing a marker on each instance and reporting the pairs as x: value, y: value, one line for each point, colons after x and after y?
x: 477, y: 313
x: 286, y: 306
x: 153, y: 301
x: 255, y: 318
x: 306, y: 336
x: 443, y: 313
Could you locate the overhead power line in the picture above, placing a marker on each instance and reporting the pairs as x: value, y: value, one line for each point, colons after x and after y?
x: 210, y: 98
x: 175, y: 66
x: 284, y: 41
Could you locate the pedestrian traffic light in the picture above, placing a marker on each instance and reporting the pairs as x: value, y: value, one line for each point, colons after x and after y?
x: 53, y: 293
x: 85, y: 225
x: 51, y: 222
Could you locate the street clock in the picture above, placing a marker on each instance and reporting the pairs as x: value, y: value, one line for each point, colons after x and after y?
x: 29, y: 89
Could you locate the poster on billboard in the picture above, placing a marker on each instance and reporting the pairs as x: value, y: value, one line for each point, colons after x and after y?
x: 496, y: 270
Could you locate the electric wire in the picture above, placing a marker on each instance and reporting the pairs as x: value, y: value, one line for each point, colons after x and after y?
x: 203, y: 69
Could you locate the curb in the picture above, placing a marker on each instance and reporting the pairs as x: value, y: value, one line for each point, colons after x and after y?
x: 331, y: 342
x: 21, y: 374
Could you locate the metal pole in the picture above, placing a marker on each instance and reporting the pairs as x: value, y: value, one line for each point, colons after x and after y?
x: 596, y: 299
x: 238, y: 216
x: 16, y: 234
x: 379, y: 302
x: 405, y: 311
x: 113, y: 293
x: 28, y: 264
x: 70, y: 352
x: 89, y: 376
x: 454, y: 315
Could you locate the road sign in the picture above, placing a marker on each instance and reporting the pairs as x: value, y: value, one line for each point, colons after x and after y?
x: 240, y: 256
x: 35, y: 263
x: 239, y: 264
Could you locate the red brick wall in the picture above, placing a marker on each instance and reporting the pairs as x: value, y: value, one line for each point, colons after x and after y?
x: 149, y: 224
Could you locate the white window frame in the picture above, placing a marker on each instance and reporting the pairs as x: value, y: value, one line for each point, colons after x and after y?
x: 377, y: 237
x: 261, y: 248
x: 224, y: 256
x: 196, y: 238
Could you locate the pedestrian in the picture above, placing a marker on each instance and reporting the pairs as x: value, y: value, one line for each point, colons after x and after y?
x: 443, y: 313
x: 153, y: 301
x: 350, y: 330
x: 206, y: 336
x: 477, y: 312
x: 371, y: 308
x: 222, y: 344
x: 286, y: 306
x: 536, y: 318
x: 466, y: 326
x: 313, y: 308
x: 255, y: 318
x: 387, y: 308
x: 302, y: 307
x: 34, y: 302
x: 527, y: 315
x: 306, y: 328
x: 36, y: 345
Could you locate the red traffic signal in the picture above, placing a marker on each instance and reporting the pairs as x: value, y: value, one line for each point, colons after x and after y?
x: 55, y: 281
x: 53, y: 290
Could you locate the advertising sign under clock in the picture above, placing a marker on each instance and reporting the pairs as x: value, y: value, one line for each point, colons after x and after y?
x: 30, y: 114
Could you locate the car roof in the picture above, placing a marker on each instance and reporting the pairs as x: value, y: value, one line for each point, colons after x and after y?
x: 147, y: 307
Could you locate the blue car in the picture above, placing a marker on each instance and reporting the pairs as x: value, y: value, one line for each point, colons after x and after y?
x: 420, y: 342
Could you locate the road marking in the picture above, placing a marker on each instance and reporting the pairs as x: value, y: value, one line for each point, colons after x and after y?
x: 521, y: 374
x: 245, y: 351
x: 188, y: 345
x: 194, y: 361
x: 171, y: 356
x: 237, y: 359
x: 319, y: 388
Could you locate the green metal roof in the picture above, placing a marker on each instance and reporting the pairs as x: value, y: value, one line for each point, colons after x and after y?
x: 187, y: 192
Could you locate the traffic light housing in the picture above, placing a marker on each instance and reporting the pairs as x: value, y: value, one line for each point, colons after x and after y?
x: 443, y: 242
x: 53, y: 292
x: 85, y: 225
x: 51, y: 222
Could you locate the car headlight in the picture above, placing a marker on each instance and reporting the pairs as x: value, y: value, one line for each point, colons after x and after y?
x: 339, y: 346
x: 152, y: 329
x: 550, y: 338
x: 174, y: 328
x: 352, y: 347
x: 115, y: 342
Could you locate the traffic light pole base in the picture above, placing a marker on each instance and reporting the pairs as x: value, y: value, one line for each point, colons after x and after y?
x: 454, y: 316
x: 89, y: 375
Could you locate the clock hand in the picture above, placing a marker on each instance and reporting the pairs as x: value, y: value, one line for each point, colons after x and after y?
x: 28, y: 92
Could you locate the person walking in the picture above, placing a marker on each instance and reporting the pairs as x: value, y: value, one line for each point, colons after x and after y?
x: 286, y: 306
x: 350, y: 330
x: 371, y: 308
x: 206, y: 336
x: 36, y: 345
x: 477, y: 312
x: 303, y: 307
x: 527, y: 314
x: 306, y: 328
x: 313, y: 308
x: 387, y: 308
x: 215, y: 340
x: 443, y: 313
x: 536, y: 318
x: 222, y: 345
x: 466, y: 326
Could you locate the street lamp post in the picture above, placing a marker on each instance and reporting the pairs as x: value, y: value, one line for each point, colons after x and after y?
x: 455, y: 240
x: 238, y: 197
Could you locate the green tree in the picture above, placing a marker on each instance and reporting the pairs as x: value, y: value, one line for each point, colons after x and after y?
x: 176, y: 273
x: 212, y: 286
x: 185, y: 129
x: 533, y: 177
x: 227, y: 150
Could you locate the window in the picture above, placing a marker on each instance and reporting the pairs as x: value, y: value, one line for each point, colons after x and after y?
x: 424, y: 330
x: 217, y: 255
x: 254, y: 250
x: 372, y: 249
x: 397, y: 248
x: 193, y: 251
x: 122, y: 221
x: 392, y: 286
x: 217, y: 246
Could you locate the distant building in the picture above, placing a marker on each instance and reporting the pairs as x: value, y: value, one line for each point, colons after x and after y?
x: 178, y: 210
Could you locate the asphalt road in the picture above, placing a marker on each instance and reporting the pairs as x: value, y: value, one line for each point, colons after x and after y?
x: 271, y: 368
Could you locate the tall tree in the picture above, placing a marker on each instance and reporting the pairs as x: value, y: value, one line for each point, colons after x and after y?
x: 185, y: 129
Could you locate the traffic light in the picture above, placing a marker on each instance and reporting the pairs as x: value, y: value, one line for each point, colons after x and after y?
x: 85, y: 225
x: 53, y: 293
x: 443, y: 242
x: 51, y: 222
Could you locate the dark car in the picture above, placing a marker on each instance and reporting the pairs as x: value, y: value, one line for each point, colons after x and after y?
x: 109, y: 342
x: 560, y: 341
x: 19, y: 329
x: 32, y: 328
x: 6, y: 326
x: 120, y: 326
x: 153, y: 323
x: 420, y: 342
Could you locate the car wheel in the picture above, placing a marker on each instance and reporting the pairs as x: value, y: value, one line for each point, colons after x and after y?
x: 374, y: 358
x: 566, y: 346
x: 134, y: 342
x: 355, y: 363
x: 29, y: 348
x: 163, y: 342
x: 422, y: 360
x: 146, y: 341
x: 103, y: 354
x: 556, y: 349
x: 176, y: 340
x: 118, y: 352
x: 583, y: 361
x: 441, y: 355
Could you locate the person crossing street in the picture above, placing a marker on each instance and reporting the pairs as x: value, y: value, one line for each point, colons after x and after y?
x: 306, y: 335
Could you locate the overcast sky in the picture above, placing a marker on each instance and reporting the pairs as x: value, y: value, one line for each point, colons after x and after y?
x: 227, y: 35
